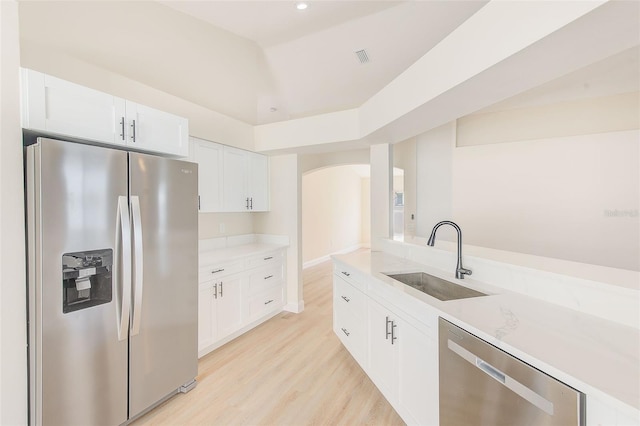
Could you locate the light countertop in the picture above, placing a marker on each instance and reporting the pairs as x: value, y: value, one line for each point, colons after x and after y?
x: 596, y: 356
x: 228, y: 254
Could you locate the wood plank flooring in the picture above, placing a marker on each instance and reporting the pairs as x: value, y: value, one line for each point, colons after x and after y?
x: 291, y: 370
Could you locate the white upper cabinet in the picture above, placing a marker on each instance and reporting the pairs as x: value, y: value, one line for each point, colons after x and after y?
x: 208, y: 155
x: 59, y: 107
x: 156, y: 131
x: 235, y: 197
x: 230, y: 179
x: 258, y: 182
x: 246, y: 181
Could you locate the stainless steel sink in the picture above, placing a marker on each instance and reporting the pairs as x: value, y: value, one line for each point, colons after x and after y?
x: 434, y: 286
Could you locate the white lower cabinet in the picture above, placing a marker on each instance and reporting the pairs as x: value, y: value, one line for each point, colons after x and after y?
x: 237, y: 295
x: 397, y: 352
x: 349, y: 319
x: 219, y: 309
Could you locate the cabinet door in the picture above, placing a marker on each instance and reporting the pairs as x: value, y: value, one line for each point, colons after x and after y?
x: 157, y: 131
x: 417, y: 375
x: 206, y: 316
x: 208, y: 155
x: 58, y: 106
x: 382, y: 353
x: 229, y: 305
x: 235, y: 198
x: 258, y: 182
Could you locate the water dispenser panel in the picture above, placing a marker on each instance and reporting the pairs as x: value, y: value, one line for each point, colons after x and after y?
x: 86, y: 279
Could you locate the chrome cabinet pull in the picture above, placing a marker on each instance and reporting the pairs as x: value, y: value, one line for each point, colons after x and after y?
x: 133, y: 128
x: 220, y: 288
x: 345, y: 332
x: 122, y: 128
x: 346, y: 273
x: 247, y: 203
x: 268, y: 258
x: 215, y: 290
x: 346, y: 299
x: 268, y: 301
x: 217, y: 270
x: 388, y: 333
x: 251, y: 200
x: 393, y: 334
x: 267, y: 277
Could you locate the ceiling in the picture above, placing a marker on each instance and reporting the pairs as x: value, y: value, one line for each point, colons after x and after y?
x: 274, y: 22
x: 309, y: 55
x: 266, y: 61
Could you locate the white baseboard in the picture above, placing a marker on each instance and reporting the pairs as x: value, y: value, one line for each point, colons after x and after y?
x: 296, y: 308
x: 319, y: 260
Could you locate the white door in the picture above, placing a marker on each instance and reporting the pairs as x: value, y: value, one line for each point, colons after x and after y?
x: 235, y: 196
x: 206, y: 316
x: 382, y: 354
x: 418, y: 374
x: 208, y: 155
x: 258, y: 182
x: 58, y: 106
x: 158, y: 131
x: 229, y: 305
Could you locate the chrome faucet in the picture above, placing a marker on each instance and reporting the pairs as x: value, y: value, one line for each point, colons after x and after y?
x: 460, y: 271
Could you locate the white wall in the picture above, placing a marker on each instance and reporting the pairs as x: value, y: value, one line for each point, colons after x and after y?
x: 365, y: 193
x: 214, y: 225
x: 381, y: 193
x: 148, y: 42
x: 404, y: 157
x: 13, y: 327
x: 574, y: 198
x: 433, y: 176
x: 331, y: 212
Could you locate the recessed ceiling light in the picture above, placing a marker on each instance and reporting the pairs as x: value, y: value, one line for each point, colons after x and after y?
x: 301, y: 5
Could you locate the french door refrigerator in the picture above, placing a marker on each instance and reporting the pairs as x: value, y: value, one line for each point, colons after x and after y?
x: 112, y: 281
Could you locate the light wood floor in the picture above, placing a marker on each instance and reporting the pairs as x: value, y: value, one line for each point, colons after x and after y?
x: 291, y: 370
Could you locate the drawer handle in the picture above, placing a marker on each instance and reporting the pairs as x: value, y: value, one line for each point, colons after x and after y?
x: 217, y: 270
x: 346, y: 273
x: 268, y: 258
x: 344, y: 330
x: 346, y: 299
x: 268, y: 301
x: 267, y: 277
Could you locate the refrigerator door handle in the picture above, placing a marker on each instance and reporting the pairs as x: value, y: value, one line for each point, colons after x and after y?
x: 123, y: 234
x: 138, y: 265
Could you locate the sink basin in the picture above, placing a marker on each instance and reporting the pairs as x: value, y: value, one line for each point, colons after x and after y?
x: 434, y: 286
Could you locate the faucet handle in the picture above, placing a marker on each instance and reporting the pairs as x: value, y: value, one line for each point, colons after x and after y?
x: 461, y: 272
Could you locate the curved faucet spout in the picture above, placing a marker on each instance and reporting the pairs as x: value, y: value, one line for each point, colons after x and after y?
x: 460, y: 271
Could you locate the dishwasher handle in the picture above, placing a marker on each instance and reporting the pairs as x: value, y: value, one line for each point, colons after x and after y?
x: 490, y: 370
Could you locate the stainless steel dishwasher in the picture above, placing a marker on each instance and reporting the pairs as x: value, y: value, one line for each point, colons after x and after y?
x: 482, y: 385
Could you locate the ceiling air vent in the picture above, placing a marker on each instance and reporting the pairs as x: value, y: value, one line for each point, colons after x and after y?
x: 362, y: 56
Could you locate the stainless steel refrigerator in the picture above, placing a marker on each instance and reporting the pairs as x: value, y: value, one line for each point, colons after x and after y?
x: 112, y: 281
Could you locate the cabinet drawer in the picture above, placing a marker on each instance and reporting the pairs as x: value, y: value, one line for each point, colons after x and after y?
x: 351, y: 330
x: 218, y: 270
x: 266, y: 259
x: 346, y: 295
x: 349, y: 276
x: 265, y: 302
x: 265, y: 278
